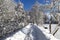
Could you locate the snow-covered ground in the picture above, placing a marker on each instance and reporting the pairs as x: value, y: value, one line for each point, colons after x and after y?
x: 53, y: 27
x: 32, y: 32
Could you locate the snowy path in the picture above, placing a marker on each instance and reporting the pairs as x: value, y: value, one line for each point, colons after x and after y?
x: 35, y: 33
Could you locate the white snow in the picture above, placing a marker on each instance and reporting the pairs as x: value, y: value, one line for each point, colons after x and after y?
x: 46, y: 33
x: 53, y: 28
x: 35, y: 32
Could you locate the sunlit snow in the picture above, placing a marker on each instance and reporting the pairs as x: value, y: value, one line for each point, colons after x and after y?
x: 32, y: 32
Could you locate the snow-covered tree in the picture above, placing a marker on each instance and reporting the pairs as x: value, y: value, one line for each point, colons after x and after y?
x: 36, y: 13
x: 20, y: 13
x: 11, y: 18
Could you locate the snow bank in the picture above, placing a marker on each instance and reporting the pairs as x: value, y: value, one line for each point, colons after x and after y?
x: 46, y: 33
x: 20, y: 35
x: 35, y: 33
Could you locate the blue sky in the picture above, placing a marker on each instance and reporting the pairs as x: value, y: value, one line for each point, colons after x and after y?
x: 29, y: 3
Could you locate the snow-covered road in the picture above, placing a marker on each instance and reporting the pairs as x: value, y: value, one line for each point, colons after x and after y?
x: 32, y: 32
